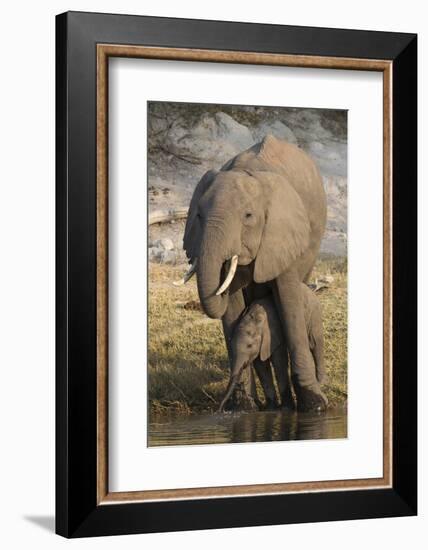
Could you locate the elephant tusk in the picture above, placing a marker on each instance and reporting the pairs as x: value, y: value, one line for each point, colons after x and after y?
x: 188, y: 275
x: 230, y: 275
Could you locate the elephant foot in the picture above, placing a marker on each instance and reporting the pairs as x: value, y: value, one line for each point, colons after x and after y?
x: 247, y: 404
x: 287, y: 400
x: 270, y: 405
x: 242, y: 401
x: 287, y: 403
x: 310, y: 398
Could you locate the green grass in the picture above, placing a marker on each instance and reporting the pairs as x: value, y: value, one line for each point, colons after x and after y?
x: 188, y: 365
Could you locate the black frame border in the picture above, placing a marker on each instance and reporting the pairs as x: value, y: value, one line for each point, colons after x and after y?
x: 77, y: 512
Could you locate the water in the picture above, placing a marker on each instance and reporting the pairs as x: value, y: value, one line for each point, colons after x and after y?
x: 247, y: 427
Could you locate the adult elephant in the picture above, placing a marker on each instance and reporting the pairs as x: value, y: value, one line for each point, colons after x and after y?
x: 256, y: 227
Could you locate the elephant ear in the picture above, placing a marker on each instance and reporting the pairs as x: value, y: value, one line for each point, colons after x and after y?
x: 192, y: 231
x: 286, y: 231
x: 271, y: 331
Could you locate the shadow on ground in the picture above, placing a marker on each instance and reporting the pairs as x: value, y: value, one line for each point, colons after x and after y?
x: 45, y: 522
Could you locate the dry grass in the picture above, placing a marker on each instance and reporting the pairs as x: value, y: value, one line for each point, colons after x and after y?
x: 334, y: 302
x: 188, y: 366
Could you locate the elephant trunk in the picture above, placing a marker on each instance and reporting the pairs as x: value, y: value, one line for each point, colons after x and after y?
x: 239, y: 363
x: 231, y: 386
x: 214, y: 253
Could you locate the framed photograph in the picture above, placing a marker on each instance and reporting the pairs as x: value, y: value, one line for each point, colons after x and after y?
x: 236, y: 274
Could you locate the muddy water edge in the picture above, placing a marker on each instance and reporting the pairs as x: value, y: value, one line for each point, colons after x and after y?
x: 246, y: 427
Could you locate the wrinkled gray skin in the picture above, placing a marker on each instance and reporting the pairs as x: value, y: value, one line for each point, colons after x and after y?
x: 268, y: 206
x: 258, y: 340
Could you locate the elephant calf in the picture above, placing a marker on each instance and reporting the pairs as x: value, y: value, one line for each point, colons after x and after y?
x: 258, y: 339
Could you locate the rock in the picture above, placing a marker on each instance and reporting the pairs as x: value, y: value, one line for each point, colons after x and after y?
x: 232, y: 131
x: 157, y: 125
x: 277, y: 129
x: 195, y: 144
x: 214, y: 139
x: 163, y: 255
x: 165, y: 244
x: 334, y: 243
x: 316, y: 148
x: 330, y: 156
x: 328, y: 279
x: 168, y: 257
x: 155, y: 254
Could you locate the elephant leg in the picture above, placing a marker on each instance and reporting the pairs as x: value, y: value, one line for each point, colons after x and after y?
x: 264, y: 373
x: 233, y: 312
x: 245, y: 395
x: 289, y: 302
x: 282, y: 375
x: 318, y: 355
x: 253, y: 292
x: 316, y: 342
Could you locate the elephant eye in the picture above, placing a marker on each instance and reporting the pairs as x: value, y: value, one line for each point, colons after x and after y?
x: 249, y: 345
x: 248, y: 215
